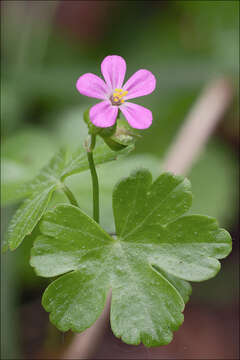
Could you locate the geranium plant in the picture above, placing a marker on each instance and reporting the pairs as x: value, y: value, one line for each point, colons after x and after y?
x: 157, y: 247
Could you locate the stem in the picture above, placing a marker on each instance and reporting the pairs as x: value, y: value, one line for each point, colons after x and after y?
x: 70, y: 195
x: 95, y: 186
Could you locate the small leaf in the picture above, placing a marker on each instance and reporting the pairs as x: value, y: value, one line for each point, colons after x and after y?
x: 145, y: 266
x: 32, y: 209
x: 27, y: 216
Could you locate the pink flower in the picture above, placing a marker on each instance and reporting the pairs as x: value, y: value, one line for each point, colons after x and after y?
x: 114, y: 94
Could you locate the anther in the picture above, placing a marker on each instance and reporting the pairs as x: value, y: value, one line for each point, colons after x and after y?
x: 117, y: 97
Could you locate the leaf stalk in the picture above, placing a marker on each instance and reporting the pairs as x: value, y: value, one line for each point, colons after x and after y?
x: 95, y: 184
x: 70, y: 195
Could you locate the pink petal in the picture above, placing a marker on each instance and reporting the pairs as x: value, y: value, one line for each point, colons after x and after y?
x: 91, y: 85
x: 113, y: 69
x: 103, y: 114
x: 143, y: 82
x: 137, y: 116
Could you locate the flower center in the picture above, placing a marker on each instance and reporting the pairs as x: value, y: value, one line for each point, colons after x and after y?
x: 117, y: 98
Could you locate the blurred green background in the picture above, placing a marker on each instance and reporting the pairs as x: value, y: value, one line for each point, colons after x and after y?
x: 46, y: 46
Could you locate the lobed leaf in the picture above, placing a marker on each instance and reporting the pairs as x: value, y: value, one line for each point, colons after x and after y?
x: 156, y: 249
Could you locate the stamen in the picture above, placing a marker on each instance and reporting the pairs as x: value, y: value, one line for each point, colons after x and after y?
x: 117, y: 97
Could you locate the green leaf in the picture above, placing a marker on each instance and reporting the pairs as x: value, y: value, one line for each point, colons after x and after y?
x: 30, y: 212
x: 139, y: 264
x: 27, y: 216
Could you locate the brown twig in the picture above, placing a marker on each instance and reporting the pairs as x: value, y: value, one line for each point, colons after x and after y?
x: 83, y: 345
x: 198, y: 126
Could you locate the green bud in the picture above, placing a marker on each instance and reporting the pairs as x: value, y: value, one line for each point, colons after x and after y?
x: 115, y: 146
x: 108, y: 132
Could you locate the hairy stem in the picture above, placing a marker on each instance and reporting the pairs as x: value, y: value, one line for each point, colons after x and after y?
x: 95, y: 185
x: 70, y: 195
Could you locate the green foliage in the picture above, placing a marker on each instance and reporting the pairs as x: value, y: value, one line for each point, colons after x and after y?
x: 13, y: 175
x: 214, y: 180
x: 32, y: 209
x: 146, y: 264
x: 50, y: 178
x: 23, y: 155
